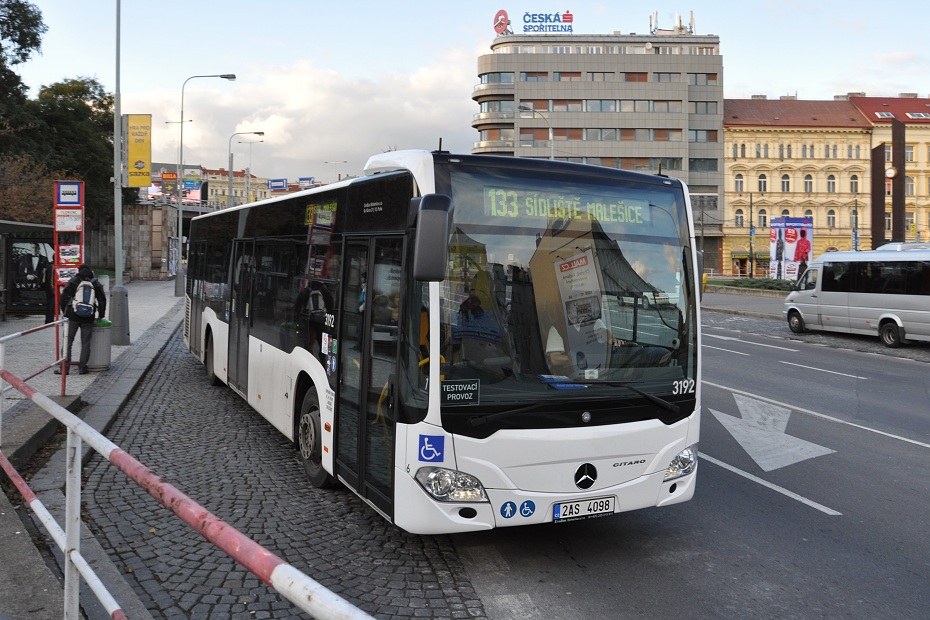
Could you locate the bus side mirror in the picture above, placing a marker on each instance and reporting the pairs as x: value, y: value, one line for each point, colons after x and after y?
x: 434, y: 228
x: 701, y: 274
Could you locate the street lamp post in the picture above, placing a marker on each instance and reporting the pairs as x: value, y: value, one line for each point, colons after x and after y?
x: 178, y: 278
x: 335, y: 163
x: 229, y: 194
x: 526, y: 108
x: 248, y: 171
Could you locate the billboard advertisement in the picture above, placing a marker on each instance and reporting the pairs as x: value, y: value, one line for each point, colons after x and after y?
x: 792, y: 242
x: 137, y: 132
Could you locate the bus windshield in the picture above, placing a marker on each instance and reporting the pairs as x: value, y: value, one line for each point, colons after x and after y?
x: 567, y: 287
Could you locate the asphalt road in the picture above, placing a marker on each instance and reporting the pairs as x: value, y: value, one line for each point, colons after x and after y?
x: 836, y: 533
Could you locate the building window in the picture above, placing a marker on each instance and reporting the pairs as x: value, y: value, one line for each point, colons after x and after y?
x: 702, y: 165
x: 909, y: 186
x: 667, y: 77
x: 666, y: 106
x: 566, y: 76
x: 600, y: 76
x: 534, y: 136
x: 763, y: 218
x: 804, y: 151
x: 808, y: 183
x: 758, y: 150
x: 497, y: 78
x: 887, y: 221
x: 742, y: 150
x: 854, y: 219
x: 854, y: 184
x: 600, y: 105
x: 702, y: 135
x: 566, y: 133
x: 702, y: 107
x: 534, y: 76
x: 702, y: 79
x: 498, y: 106
x: 831, y: 184
x: 888, y: 187
x: 567, y: 105
x: 739, y: 184
x: 809, y: 214
x: 739, y: 218
x: 497, y: 135
x: 908, y: 153
x: 781, y: 151
x: 785, y: 183
x: 635, y: 76
x: 763, y: 183
x: 789, y: 151
x: 831, y: 218
x: 735, y: 151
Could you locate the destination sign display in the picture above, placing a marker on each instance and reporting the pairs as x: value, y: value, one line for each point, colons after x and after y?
x: 519, y: 203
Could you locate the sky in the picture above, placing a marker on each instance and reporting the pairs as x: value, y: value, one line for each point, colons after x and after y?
x: 332, y: 83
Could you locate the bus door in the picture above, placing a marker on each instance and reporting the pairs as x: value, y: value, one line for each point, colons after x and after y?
x: 194, y: 287
x: 368, y: 357
x: 240, y: 314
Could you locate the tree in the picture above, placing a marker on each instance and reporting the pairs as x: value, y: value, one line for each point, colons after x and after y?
x: 73, y: 133
x: 26, y: 189
x: 21, y: 31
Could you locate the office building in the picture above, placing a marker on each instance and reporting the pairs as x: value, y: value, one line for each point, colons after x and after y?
x: 647, y: 102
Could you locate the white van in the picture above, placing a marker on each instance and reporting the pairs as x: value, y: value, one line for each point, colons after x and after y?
x: 884, y: 293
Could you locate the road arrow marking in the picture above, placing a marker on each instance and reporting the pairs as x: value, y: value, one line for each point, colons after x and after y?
x: 761, y: 433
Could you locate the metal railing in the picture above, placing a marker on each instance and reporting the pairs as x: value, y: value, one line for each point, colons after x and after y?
x: 298, y: 588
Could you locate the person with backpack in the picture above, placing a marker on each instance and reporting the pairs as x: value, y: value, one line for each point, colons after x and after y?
x: 81, y: 299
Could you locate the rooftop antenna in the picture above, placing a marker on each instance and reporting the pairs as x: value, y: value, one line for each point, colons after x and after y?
x: 653, y: 22
x: 692, y: 22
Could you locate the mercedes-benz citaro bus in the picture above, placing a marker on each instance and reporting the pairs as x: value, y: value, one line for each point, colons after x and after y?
x: 884, y: 293
x: 466, y: 342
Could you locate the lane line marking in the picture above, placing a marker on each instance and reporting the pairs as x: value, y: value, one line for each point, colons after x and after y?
x: 774, y: 487
x: 757, y: 344
x: 819, y: 415
x: 707, y: 346
x: 832, y: 372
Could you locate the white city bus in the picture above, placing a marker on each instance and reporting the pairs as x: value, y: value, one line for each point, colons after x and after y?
x: 884, y: 293
x: 466, y: 342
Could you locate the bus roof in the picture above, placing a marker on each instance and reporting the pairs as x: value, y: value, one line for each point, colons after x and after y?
x: 870, y: 255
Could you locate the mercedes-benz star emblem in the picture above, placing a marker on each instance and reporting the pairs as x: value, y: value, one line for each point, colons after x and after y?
x: 585, y: 476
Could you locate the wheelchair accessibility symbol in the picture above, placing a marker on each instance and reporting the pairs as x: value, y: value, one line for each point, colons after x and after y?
x: 431, y: 448
x: 509, y: 509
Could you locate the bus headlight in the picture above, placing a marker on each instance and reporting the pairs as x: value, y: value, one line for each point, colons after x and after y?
x: 449, y: 485
x: 683, y: 464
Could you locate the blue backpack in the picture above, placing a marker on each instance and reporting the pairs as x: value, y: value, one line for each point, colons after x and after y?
x: 84, y: 303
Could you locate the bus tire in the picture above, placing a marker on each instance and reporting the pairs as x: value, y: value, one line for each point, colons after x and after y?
x: 309, y: 441
x: 795, y: 322
x: 212, y: 379
x: 890, y: 334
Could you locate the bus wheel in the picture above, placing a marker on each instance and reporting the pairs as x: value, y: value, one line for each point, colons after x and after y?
x: 890, y: 334
x: 310, y: 442
x: 212, y: 379
x: 795, y: 322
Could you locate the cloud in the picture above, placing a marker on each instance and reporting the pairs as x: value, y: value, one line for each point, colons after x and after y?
x: 311, y: 115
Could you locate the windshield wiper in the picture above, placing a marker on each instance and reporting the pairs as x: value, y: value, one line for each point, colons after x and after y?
x: 481, y: 420
x: 629, y: 385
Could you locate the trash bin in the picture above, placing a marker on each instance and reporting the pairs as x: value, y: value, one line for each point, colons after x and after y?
x: 100, y: 342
